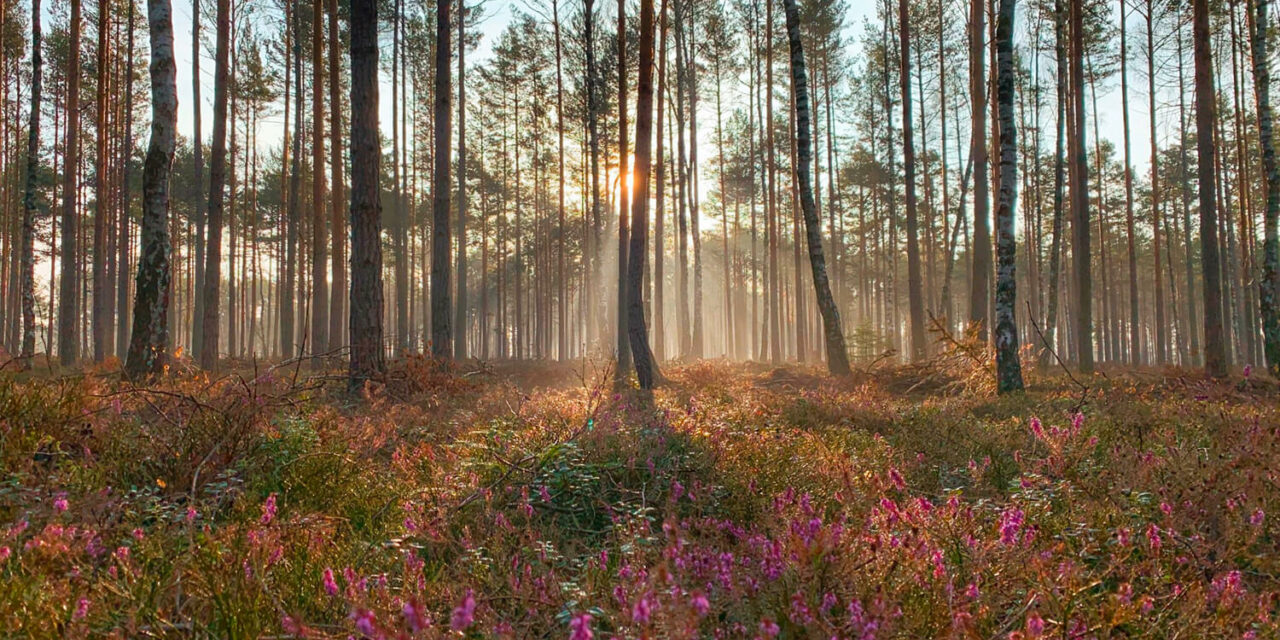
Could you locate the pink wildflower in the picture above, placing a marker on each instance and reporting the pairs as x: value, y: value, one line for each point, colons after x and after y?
x: 580, y: 627
x: 769, y: 629
x: 1258, y: 516
x: 1035, y: 625
x: 268, y: 510
x: 1153, y: 537
x: 82, y: 609
x: 700, y: 604
x: 60, y: 504
x: 364, y: 622
x: 330, y: 585
x: 1010, y: 525
x: 465, y: 613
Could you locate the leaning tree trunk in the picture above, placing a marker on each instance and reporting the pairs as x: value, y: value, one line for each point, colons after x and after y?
x: 1270, y: 286
x: 149, y: 338
x: 28, y: 264
x: 1008, y: 368
x: 365, y: 329
x: 1215, y: 350
x: 441, y: 308
x: 915, y: 294
x: 217, y: 176
x: 646, y: 369
x: 837, y: 355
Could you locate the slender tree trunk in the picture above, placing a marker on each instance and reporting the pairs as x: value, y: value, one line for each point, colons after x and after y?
x: 1161, y: 331
x: 1008, y: 368
x: 1135, y: 334
x: 69, y: 286
x: 915, y: 294
x: 1081, y: 255
x: 289, y: 288
x: 1215, y: 355
x: 659, y: 253
x: 101, y: 289
x: 337, y: 201
x: 980, y: 279
x: 319, y: 234
x: 646, y: 368
x: 366, y: 208
x: 837, y: 354
x: 1269, y: 291
x: 623, y: 349
x: 562, y: 297
x: 28, y: 260
x: 441, y: 307
x: 217, y: 178
x: 149, y: 339
x: 122, y: 261
x: 201, y: 203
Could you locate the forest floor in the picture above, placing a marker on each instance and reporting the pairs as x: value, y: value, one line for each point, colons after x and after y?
x: 736, y: 501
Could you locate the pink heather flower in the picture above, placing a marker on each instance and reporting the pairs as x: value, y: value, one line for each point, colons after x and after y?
x: 1153, y: 537
x: 268, y: 510
x: 1257, y: 517
x: 290, y: 625
x: 544, y: 493
x: 1248, y: 369
x: 896, y: 477
x: 5, y: 552
x: 138, y: 534
x: 82, y: 609
x: 1122, y: 536
x: 1037, y: 429
x: 465, y: 613
x: 364, y: 622
x: 580, y: 627
x: 60, y: 504
x: 1035, y: 625
x: 1165, y: 508
x: 642, y: 610
x: 413, y: 616
x: 769, y: 629
x: 330, y: 585
x: 191, y: 514
x: 1010, y: 525
x: 677, y: 490
x: 700, y: 604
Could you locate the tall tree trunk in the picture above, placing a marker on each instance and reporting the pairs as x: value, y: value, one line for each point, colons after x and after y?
x: 28, y: 260
x: 1162, y: 332
x: 562, y: 296
x: 149, y: 339
x: 623, y: 347
x: 837, y: 354
x: 1008, y: 368
x: 441, y: 308
x: 319, y: 235
x: 1135, y: 334
x: 367, y: 360
x: 101, y: 289
x: 1081, y: 254
x: 122, y: 271
x: 646, y: 369
x: 69, y: 286
x: 980, y: 278
x: 1269, y: 291
x: 1215, y: 353
x: 337, y: 202
x: 460, y: 304
x: 289, y: 288
x: 217, y: 178
x: 915, y: 294
x: 659, y: 253
x: 201, y: 202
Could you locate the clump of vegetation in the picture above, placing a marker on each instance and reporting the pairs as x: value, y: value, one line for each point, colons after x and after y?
x: 735, y: 502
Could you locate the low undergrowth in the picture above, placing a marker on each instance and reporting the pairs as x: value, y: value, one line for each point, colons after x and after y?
x: 734, y: 502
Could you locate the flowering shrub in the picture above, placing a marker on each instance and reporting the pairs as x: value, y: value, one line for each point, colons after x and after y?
x: 733, y: 503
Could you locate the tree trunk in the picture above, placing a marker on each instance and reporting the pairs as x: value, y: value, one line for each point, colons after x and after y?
x: 201, y: 203
x: 28, y: 260
x: 460, y: 304
x: 1269, y: 291
x: 441, y: 309
x: 149, y: 339
x: 101, y: 288
x: 1080, y: 199
x: 338, y: 266
x: 623, y: 347
x: 217, y: 178
x: 1215, y: 354
x: 980, y: 278
x: 646, y: 369
x: 915, y: 294
x: 1008, y: 368
x: 366, y: 208
x: 1162, y: 332
x: 69, y: 286
x: 837, y: 354
x: 1135, y: 334
x: 122, y: 261
x: 319, y: 235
